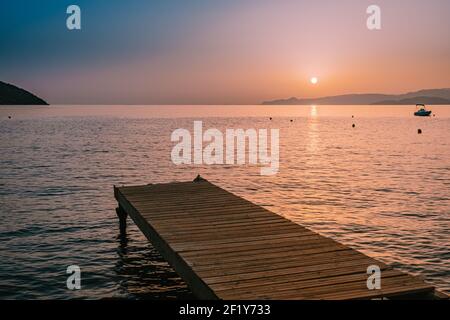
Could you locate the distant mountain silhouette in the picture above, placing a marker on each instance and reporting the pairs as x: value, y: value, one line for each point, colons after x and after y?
x: 431, y: 96
x: 409, y: 101
x: 12, y: 95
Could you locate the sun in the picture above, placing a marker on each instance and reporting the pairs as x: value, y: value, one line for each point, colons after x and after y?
x: 314, y: 80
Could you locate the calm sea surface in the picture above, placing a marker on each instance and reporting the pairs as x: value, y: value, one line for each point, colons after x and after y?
x: 379, y: 187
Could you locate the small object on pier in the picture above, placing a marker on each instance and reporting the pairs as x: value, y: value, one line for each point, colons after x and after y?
x: 419, y: 131
x: 353, y: 117
x: 270, y: 118
x: 199, y: 179
x: 353, y: 125
x: 292, y: 120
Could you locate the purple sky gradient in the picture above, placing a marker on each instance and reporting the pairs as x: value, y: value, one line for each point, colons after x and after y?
x: 225, y: 52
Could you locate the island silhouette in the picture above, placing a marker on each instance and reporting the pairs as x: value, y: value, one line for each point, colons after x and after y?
x: 428, y: 96
x: 12, y: 95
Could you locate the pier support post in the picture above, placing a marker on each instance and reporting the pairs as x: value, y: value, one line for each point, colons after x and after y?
x: 122, y: 215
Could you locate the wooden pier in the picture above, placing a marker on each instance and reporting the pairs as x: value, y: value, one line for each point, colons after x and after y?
x: 226, y: 247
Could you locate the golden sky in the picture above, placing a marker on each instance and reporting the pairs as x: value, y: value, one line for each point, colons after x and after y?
x: 228, y: 52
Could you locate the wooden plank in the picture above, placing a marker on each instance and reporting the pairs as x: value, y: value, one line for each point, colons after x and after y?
x: 285, y: 271
x: 203, y: 221
x: 186, y: 236
x: 275, y: 263
x: 285, y: 260
x: 305, y: 282
x: 246, y: 238
x: 226, y: 247
x: 245, y: 249
x: 316, y: 278
x: 279, y: 254
x: 183, y: 214
x: 352, y: 290
x: 191, y: 202
x: 206, y: 211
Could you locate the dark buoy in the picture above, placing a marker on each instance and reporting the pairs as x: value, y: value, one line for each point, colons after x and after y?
x: 292, y: 120
x: 270, y: 118
x: 419, y: 131
x: 353, y: 125
x: 353, y: 117
x: 9, y: 117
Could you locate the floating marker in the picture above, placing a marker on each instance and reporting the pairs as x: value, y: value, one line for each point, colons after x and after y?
x: 353, y: 125
x: 419, y: 131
